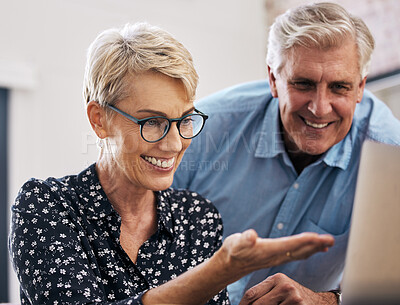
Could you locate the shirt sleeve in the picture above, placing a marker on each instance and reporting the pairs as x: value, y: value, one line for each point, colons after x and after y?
x: 376, y: 119
x: 47, y: 252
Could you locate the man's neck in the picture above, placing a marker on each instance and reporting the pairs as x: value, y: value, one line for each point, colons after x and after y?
x: 301, y: 160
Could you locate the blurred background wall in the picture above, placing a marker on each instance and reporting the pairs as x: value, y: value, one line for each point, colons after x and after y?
x: 42, y: 58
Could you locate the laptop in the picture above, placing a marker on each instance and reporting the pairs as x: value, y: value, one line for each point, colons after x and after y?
x: 372, y: 269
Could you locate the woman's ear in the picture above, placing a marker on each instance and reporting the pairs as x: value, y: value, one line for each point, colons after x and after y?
x: 97, y: 118
x: 272, y: 82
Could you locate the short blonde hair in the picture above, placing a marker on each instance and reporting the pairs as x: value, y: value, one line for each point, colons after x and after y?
x: 117, y: 54
x: 319, y: 25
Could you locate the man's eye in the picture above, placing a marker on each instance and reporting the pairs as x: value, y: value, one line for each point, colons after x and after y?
x: 339, y: 87
x: 303, y: 85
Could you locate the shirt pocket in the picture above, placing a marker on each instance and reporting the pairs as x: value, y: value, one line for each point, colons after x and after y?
x: 336, y: 254
x: 330, y: 264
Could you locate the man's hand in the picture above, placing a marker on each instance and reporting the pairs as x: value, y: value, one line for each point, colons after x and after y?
x: 280, y: 289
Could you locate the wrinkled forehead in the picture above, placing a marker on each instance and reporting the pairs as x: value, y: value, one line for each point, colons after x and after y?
x: 345, y: 52
x: 339, y: 62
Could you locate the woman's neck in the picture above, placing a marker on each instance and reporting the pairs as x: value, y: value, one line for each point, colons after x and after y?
x: 127, y: 199
x: 136, y: 206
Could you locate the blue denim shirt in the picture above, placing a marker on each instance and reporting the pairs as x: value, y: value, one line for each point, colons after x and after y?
x: 239, y: 162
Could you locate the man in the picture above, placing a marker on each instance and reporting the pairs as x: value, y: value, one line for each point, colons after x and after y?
x: 283, y: 159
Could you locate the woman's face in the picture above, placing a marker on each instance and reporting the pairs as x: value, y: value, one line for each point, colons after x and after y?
x: 151, y: 94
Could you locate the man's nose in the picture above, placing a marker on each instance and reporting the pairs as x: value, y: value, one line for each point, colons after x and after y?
x: 320, y: 104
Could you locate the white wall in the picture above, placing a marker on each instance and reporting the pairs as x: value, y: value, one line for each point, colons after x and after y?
x: 48, y: 131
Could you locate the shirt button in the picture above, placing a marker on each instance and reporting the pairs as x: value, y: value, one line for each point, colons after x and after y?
x: 280, y: 226
x: 296, y: 185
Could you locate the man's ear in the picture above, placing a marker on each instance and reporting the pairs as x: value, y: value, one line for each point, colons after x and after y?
x: 360, y: 89
x: 272, y: 82
x: 97, y: 118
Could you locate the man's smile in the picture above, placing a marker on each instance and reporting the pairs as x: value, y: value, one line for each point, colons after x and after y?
x: 315, y: 125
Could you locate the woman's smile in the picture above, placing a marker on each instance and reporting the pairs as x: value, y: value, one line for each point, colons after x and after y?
x: 164, y: 163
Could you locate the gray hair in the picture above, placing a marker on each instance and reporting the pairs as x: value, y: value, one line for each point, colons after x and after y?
x: 116, y: 54
x: 319, y: 25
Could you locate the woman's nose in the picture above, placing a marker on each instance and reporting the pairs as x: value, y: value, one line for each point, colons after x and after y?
x: 172, y: 141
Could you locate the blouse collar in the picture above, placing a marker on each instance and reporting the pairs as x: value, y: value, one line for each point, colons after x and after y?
x: 98, y: 206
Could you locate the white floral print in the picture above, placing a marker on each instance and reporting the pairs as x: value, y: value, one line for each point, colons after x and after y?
x: 65, y: 249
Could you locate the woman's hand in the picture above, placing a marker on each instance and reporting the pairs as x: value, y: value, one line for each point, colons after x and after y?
x: 239, y: 255
x: 246, y: 252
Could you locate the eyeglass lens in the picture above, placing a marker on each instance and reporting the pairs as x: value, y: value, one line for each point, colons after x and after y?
x: 156, y: 128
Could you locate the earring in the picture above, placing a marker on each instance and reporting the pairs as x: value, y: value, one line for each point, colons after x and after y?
x: 99, y: 143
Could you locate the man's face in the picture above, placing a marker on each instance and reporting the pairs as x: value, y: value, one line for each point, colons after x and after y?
x: 318, y: 91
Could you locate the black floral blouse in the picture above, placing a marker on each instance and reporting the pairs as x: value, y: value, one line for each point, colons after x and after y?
x: 65, y: 248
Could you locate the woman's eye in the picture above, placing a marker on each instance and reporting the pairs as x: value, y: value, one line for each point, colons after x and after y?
x: 187, y: 121
x: 153, y: 123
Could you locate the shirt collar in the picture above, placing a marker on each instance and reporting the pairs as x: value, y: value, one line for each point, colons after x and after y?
x: 98, y: 206
x: 270, y: 142
x: 164, y: 201
x: 92, y: 194
x: 339, y: 155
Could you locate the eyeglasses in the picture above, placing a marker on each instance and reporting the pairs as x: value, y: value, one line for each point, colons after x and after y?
x: 155, y: 128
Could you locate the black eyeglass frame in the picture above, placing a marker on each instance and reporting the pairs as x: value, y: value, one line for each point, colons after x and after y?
x: 141, y: 122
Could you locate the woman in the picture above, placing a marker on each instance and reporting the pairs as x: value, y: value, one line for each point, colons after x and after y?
x: 116, y: 233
